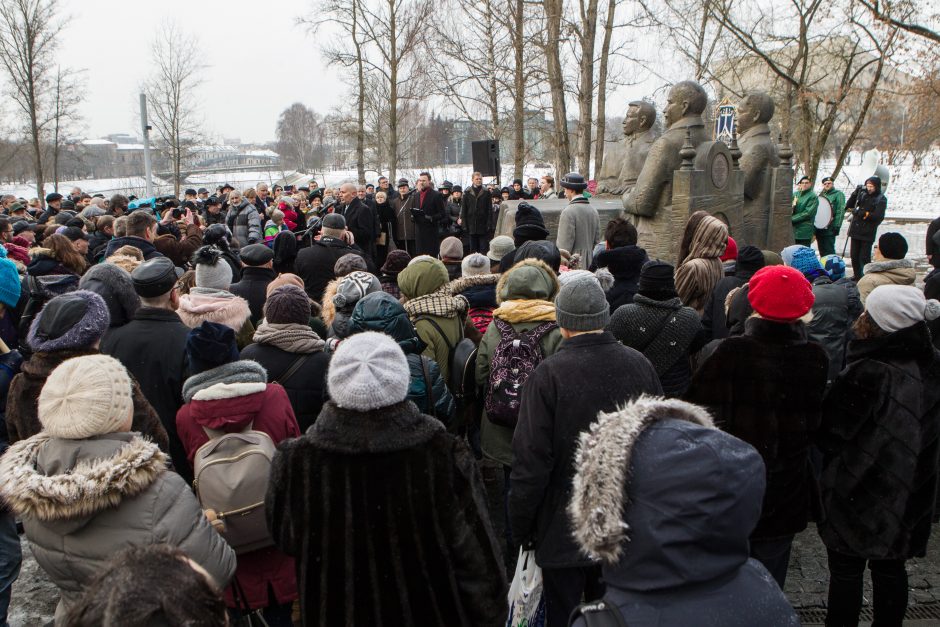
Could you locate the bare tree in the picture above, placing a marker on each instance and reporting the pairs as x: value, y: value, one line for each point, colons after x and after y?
x: 586, y: 31
x: 299, y: 137
x: 172, y: 110
x: 602, y: 85
x: 63, y: 117
x: 554, y: 9
x: 902, y: 14
x: 28, y: 32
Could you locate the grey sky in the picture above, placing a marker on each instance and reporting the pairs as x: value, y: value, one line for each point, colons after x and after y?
x: 248, y: 44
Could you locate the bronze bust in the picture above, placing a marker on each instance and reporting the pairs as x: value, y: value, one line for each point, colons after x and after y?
x: 623, y: 166
x: 758, y: 157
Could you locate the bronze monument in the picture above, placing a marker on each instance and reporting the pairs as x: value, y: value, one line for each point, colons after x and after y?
x: 758, y: 158
x: 622, y: 166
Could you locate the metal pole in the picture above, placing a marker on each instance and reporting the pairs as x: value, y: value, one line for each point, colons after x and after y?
x: 145, y: 127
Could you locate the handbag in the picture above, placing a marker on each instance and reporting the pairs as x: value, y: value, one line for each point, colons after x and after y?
x: 526, y: 602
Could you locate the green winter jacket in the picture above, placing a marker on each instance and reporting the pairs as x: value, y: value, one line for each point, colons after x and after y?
x: 837, y: 200
x: 427, y: 304
x: 804, y: 212
x: 528, y: 280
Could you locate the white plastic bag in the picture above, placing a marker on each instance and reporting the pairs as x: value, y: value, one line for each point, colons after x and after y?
x: 526, y: 603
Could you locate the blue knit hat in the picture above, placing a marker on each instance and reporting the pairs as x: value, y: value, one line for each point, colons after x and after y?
x: 805, y: 260
x: 9, y: 283
x: 834, y: 265
x: 210, y: 345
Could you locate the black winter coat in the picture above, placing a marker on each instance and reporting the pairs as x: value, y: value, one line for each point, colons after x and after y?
x: 475, y: 209
x: 868, y: 211
x: 253, y: 287
x: 624, y: 264
x: 881, y: 437
x: 306, y: 388
x: 139, y: 243
x: 766, y: 387
x: 363, y: 223
x: 430, y: 214
x: 546, y: 436
x: 932, y: 290
x: 386, y: 516
x: 315, y: 263
x: 152, y: 347
x: 714, y: 318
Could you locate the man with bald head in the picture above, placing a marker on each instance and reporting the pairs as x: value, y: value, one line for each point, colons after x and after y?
x: 684, y: 107
x: 361, y: 219
x: 758, y: 156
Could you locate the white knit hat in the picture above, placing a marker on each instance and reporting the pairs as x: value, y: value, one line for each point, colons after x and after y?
x: 896, y: 307
x: 84, y: 397
x: 368, y: 371
x: 475, y: 265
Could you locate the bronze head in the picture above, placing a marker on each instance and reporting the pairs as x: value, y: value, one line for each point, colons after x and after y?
x: 640, y: 117
x: 757, y: 107
x: 685, y: 99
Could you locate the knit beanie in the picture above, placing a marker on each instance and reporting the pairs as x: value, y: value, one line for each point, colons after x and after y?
x: 731, y: 250
x: 475, y: 265
x: 116, y: 287
x: 284, y: 279
x: 892, y: 246
x: 804, y: 259
x: 529, y: 223
x: 750, y: 259
x: 70, y: 321
x: 780, y: 293
x: 210, y: 345
x: 348, y: 263
x: 396, y: 261
x: 581, y: 305
x: 500, y: 246
x: 657, y: 276
x: 9, y: 283
x: 834, y: 265
x: 212, y: 271
x: 787, y: 253
x: 287, y: 304
x: 354, y: 286
x: 570, y: 275
x: 84, y: 397
x: 368, y: 371
x: 896, y: 307
x: 451, y: 248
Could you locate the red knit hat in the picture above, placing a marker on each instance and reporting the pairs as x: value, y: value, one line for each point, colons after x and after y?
x: 731, y: 250
x: 780, y: 293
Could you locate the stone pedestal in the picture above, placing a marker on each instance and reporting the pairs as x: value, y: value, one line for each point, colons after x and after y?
x: 780, y: 225
x: 607, y: 208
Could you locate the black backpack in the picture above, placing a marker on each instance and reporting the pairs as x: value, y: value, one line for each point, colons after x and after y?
x: 598, y: 614
x: 462, y: 358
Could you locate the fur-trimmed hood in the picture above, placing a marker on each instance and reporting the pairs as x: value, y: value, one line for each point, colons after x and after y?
x: 526, y: 280
x: 901, y: 267
x: 219, y: 306
x: 236, y: 372
x: 69, y: 481
x: 461, y: 285
x: 658, y: 474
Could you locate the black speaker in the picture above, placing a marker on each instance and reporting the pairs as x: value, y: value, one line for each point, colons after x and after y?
x: 486, y: 157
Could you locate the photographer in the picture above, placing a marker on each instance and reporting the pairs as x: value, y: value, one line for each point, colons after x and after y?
x: 179, y: 234
x: 868, y: 207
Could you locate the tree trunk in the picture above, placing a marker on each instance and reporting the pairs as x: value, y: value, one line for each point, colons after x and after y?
x: 519, y: 89
x: 586, y: 87
x: 602, y: 88
x: 556, y: 82
x: 360, y: 100
x: 393, y: 93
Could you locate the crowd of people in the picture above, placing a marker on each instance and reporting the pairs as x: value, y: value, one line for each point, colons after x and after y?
x: 355, y: 405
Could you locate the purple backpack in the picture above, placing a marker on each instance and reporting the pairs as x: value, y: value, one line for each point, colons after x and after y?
x: 514, y: 359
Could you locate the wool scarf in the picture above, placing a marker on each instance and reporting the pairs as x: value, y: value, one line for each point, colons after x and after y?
x: 438, y: 304
x: 533, y: 310
x: 289, y: 337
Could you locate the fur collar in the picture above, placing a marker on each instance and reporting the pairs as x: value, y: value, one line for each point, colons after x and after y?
x: 241, y: 371
x: 214, y: 306
x: 223, y: 391
x: 888, y: 264
x: 387, y: 429
x: 88, y: 487
x: 327, y: 308
x: 602, y: 463
x: 39, y: 251
x: 458, y: 286
x: 517, y: 311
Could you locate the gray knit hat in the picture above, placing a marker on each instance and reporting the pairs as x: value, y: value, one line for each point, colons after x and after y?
x: 348, y: 263
x: 212, y: 271
x: 368, y: 371
x: 354, y: 286
x: 581, y: 305
x: 474, y: 265
x: 500, y: 246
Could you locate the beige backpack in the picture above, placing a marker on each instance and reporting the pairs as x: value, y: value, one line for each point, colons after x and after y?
x: 231, y: 478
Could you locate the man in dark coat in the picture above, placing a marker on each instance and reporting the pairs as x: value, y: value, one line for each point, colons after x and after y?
x: 152, y: 347
x: 475, y: 209
x: 766, y: 387
x: 256, y: 274
x: 141, y: 229
x: 315, y: 263
x: 624, y: 259
x: 401, y: 205
x: 361, y: 219
x: 868, y: 207
x: 428, y: 214
x: 377, y: 487
x: 546, y: 436
x: 714, y: 318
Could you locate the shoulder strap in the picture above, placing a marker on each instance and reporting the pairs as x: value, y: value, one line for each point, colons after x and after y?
x: 292, y: 369
x: 427, y: 385
x: 439, y: 330
x: 598, y: 614
x: 656, y: 333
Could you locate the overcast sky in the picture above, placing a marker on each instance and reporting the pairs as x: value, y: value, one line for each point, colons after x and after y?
x: 111, y: 40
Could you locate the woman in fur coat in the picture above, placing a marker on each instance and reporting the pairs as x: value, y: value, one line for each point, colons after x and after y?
x: 87, y: 487
x: 384, y: 510
x: 69, y: 326
x: 211, y: 299
x: 226, y: 394
x: 880, y: 436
